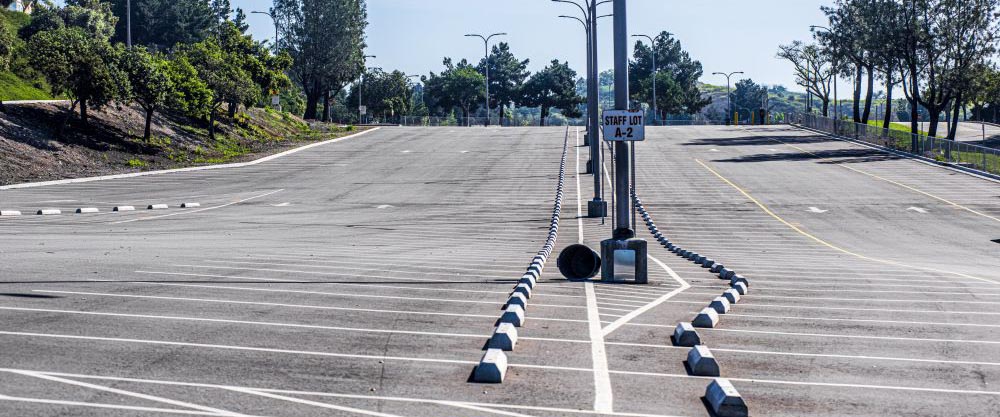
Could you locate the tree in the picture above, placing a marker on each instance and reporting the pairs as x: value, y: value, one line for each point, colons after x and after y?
x: 677, y: 73
x: 77, y: 64
x: 507, y: 76
x: 553, y: 86
x: 748, y: 96
x: 812, y: 69
x: 325, y: 39
x: 384, y: 92
x: 150, y: 81
x: 191, y: 96
x: 165, y: 23
x: 852, y: 38
x: 7, y: 40
x: 221, y: 73
x: 458, y: 85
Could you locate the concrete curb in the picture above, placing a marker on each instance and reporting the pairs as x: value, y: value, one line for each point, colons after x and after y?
x: 725, y: 401
x: 701, y: 362
x: 188, y: 169
x: 492, y: 367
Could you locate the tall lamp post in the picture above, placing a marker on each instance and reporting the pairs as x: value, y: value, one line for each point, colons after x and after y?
x: 729, y: 94
x: 486, y: 45
x: 596, y: 207
x: 275, y: 20
x: 361, y: 85
x: 128, y: 23
x: 421, y: 91
x: 652, y: 52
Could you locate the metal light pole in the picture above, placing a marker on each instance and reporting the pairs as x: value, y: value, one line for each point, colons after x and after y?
x: 421, y: 91
x: 623, y: 250
x: 596, y: 207
x: 275, y: 20
x: 486, y: 44
x: 652, y: 52
x: 361, y: 85
x: 729, y: 94
x: 128, y: 23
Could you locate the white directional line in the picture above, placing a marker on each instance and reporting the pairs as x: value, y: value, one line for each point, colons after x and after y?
x: 918, y: 210
x: 104, y: 406
x: 311, y: 403
x: 200, y: 210
x: 817, y: 210
x: 215, y: 411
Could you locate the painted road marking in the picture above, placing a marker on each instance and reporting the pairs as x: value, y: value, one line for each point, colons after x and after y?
x: 603, y: 394
x: 830, y: 245
x: 817, y: 210
x: 311, y: 403
x: 105, y: 406
x: 200, y: 210
x: 365, y: 310
x: 338, y: 395
x: 216, y: 411
x: 917, y: 209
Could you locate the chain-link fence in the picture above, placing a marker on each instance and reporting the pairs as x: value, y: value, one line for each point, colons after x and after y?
x: 942, y: 150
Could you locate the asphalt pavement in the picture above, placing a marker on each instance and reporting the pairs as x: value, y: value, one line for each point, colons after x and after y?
x: 364, y: 277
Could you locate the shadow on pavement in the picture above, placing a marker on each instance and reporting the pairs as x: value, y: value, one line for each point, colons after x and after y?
x: 850, y: 156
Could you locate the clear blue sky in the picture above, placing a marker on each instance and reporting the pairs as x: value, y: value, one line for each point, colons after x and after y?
x: 725, y: 35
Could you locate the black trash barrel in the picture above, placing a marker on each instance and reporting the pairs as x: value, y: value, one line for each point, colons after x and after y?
x: 579, y: 262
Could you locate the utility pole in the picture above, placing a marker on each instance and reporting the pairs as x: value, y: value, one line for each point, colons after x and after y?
x: 486, y: 44
x: 128, y: 23
x: 361, y: 84
x: 596, y: 207
x: 623, y: 249
x: 275, y: 20
x: 652, y: 52
x: 729, y: 94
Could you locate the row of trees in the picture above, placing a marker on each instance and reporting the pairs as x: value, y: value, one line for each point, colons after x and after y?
x: 462, y: 86
x: 937, y: 52
x: 75, y: 49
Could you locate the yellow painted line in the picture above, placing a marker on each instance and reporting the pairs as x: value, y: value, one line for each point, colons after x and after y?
x: 897, y: 183
x: 825, y: 243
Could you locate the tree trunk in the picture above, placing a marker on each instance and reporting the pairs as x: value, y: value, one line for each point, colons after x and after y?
x: 953, y: 129
x: 211, y: 122
x: 935, y: 115
x: 83, y: 112
x: 544, y: 114
x: 857, y: 94
x: 826, y: 107
x: 869, y: 95
x: 888, y: 106
x: 149, y: 122
x: 326, y: 107
x: 69, y: 114
x: 233, y: 107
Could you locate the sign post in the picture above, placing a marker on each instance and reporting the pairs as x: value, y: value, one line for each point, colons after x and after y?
x: 624, y: 256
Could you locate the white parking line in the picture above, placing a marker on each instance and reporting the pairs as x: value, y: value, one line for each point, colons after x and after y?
x: 922, y: 323
x: 200, y: 210
x: 844, y: 336
x: 366, y: 310
x: 153, y: 398
x: 311, y: 403
x: 349, y: 396
x: 104, y: 406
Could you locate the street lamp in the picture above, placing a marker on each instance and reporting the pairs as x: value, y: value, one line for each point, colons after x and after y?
x: 128, y: 23
x: 729, y: 93
x: 275, y: 20
x: 652, y: 51
x: 486, y: 44
x: 836, y: 76
x: 596, y: 207
x: 361, y: 85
